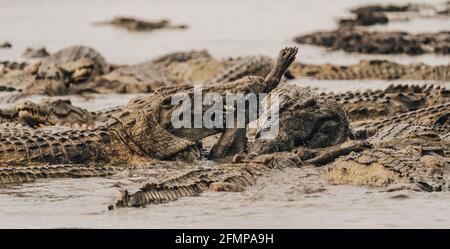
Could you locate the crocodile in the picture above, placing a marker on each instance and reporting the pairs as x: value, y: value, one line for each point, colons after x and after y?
x: 202, y: 68
x: 404, y: 155
x: 48, y: 113
x: 372, y: 69
x: 139, y: 131
x: 135, y: 24
x: 379, y: 42
x: 14, y: 175
x: 395, y: 99
x: 32, y: 53
x: 437, y: 115
x: 193, y: 67
x: 382, y: 14
x: 223, y: 177
x: 410, y: 150
x: 304, y: 134
x: 304, y: 119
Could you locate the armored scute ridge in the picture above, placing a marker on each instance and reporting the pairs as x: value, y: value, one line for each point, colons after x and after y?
x: 12, y: 175
x: 137, y: 130
x: 395, y: 99
x: 373, y: 69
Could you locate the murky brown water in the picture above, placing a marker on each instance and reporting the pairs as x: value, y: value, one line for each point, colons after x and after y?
x: 293, y: 198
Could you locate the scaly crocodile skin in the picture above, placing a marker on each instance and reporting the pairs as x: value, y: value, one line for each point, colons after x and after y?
x: 430, y: 116
x: 395, y: 99
x: 418, y: 158
x: 373, y: 69
x: 11, y: 175
x: 379, y: 42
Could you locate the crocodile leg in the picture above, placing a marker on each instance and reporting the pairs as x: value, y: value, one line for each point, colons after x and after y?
x: 284, y: 60
x: 233, y: 141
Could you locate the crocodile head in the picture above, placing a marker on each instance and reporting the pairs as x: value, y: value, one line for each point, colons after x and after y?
x: 303, y: 120
x: 52, y: 113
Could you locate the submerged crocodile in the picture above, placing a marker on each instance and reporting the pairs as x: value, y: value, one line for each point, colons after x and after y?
x: 382, y: 14
x: 134, y: 24
x: 379, y: 42
x: 372, y: 69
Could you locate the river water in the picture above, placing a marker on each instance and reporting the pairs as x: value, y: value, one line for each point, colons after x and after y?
x: 293, y: 198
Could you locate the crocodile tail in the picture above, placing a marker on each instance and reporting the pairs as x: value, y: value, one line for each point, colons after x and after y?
x: 430, y: 116
x: 12, y: 175
x: 36, y: 147
x: 192, y: 183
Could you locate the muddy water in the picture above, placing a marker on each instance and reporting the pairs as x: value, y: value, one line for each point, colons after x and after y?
x: 292, y: 198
